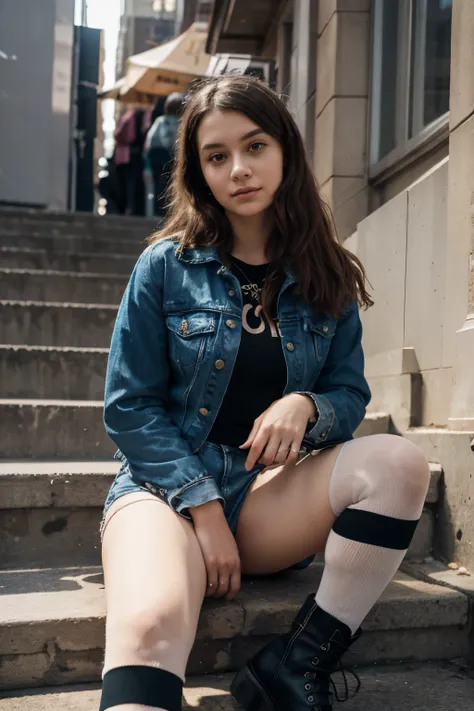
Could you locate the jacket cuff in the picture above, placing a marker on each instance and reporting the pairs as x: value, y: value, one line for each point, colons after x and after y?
x: 320, y: 432
x: 195, y: 493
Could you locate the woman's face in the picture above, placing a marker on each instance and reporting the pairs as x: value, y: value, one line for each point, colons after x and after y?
x: 242, y: 165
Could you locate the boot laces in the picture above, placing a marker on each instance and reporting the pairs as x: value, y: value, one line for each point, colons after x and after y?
x: 333, y: 690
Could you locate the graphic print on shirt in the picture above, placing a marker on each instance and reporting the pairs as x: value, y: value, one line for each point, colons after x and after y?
x: 254, y: 318
x: 255, y: 321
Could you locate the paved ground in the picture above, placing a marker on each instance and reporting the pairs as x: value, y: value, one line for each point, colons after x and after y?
x: 421, y: 687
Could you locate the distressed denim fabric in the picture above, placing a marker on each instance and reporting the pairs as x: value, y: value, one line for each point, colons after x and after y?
x: 173, y: 349
x: 225, y: 464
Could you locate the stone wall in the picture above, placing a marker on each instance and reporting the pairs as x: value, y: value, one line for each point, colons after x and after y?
x: 408, y: 333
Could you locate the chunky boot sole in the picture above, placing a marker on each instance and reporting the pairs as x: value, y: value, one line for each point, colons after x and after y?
x: 250, y: 694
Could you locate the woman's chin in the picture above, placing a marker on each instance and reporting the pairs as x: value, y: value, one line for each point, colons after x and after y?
x: 247, y: 210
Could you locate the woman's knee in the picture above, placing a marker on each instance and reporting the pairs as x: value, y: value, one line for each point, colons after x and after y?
x: 406, y: 464
x: 385, y: 468
x: 148, y: 625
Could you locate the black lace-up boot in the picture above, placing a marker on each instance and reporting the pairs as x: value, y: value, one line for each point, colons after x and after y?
x: 292, y: 673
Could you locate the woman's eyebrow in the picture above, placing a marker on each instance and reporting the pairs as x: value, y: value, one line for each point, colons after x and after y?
x: 250, y: 134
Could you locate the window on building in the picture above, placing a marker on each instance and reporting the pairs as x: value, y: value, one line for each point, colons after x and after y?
x: 410, y: 73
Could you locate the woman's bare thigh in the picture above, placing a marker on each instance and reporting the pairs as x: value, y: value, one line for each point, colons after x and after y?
x: 153, y: 567
x: 286, y: 515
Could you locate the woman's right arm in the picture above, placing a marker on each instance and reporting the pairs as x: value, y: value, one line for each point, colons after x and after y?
x: 136, y: 395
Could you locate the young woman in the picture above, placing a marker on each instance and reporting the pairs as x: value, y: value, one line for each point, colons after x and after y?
x: 237, y: 349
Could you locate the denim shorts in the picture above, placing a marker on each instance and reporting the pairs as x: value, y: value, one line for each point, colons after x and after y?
x: 227, y: 466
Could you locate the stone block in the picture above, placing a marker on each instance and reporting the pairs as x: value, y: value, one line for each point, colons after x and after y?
x: 423, y: 540
x: 373, y: 423
x: 341, y: 130
x: 49, y: 429
x: 436, y: 396
x: 461, y: 101
x: 15, y: 258
x: 349, y: 202
x: 399, y: 395
x: 327, y: 8
x: 425, y: 267
x: 343, y: 58
x: 461, y: 415
x: 460, y: 235
x: 68, y: 244
x: 455, y: 523
x: 46, y: 324
x: 55, y: 286
x: 382, y: 250
x: 57, y: 373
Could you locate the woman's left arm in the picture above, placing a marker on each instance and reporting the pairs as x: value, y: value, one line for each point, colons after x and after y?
x: 342, y: 392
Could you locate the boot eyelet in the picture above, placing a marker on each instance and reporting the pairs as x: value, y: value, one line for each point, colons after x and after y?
x: 310, y: 699
x: 307, y: 687
x: 325, y: 647
x: 315, y: 662
x: 307, y: 675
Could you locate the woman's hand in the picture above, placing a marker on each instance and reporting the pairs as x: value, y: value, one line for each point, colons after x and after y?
x: 277, y: 434
x: 219, y: 549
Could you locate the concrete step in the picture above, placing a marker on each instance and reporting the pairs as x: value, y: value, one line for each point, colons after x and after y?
x: 36, y: 239
x: 432, y: 686
x: 81, y: 224
x: 52, y: 624
x: 50, y: 429
x: 38, y: 323
x: 53, y: 372
x: 61, y: 286
x: 13, y: 258
x: 50, y: 512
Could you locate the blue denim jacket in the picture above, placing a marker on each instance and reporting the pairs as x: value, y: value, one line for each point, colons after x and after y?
x: 173, y: 349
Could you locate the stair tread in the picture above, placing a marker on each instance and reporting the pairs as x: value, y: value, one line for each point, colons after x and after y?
x: 52, y: 349
x: 57, y: 272
x: 36, y: 402
x: 71, y: 594
x: 62, y: 252
x: 58, y: 467
x: 424, y: 687
x: 57, y: 304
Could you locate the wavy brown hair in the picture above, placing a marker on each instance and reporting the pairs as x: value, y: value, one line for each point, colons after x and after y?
x: 303, y: 238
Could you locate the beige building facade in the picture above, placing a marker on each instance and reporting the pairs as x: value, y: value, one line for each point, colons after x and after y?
x: 383, y: 93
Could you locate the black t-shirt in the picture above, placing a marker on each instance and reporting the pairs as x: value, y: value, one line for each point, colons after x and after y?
x: 259, y: 375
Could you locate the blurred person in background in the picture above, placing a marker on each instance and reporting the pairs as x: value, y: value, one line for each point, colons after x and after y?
x: 160, y: 148
x: 151, y: 116
x: 128, y: 158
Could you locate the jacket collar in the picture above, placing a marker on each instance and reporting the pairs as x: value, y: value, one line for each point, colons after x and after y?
x: 202, y: 255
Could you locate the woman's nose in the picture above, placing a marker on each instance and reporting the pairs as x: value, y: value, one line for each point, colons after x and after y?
x: 240, y: 169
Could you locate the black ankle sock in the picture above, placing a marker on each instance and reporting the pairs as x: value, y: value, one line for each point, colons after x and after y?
x: 141, y: 685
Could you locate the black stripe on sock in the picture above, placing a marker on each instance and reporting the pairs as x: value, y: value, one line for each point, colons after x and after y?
x: 375, y: 529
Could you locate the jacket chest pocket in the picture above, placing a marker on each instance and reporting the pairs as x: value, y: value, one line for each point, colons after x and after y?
x: 320, y: 334
x: 189, y: 335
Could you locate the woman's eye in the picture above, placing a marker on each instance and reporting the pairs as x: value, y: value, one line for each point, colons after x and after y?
x: 217, y: 158
x: 257, y: 146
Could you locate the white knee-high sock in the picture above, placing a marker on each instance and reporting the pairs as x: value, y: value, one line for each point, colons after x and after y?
x: 377, y: 491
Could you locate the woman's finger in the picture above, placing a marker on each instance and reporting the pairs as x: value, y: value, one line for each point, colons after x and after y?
x: 212, y: 579
x: 253, y: 433
x: 224, y: 581
x: 234, y: 584
x: 293, y: 452
x: 256, y: 449
x: 275, y: 452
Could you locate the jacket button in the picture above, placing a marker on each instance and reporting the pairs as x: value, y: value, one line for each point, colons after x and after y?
x: 230, y: 323
x: 231, y: 292
x: 323, y: 435
x: 325, y: 329
x: 290, y: 347
x: 219, y: 364
x: 204, y: 411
